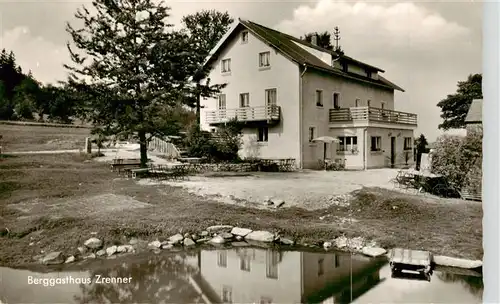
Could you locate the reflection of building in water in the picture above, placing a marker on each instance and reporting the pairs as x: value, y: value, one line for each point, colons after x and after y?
x: 248, y: 275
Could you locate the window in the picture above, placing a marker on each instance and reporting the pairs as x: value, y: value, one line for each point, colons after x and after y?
x: 356, y: 103
x: 271, y: 97
x: 264, y: 59
x: 336, y: 104
x: 321, y: 269
x: 245, y: 263
x: 407, y: 145
x: 222, y: 258
x: 382, y: 105
x: 337, y: 261
x: 348, y: 144
x: 319, y: 98
x: 244, y: 37
x: 375, y: 143
x: 221, y: 104
x: 227, y: 294
x: 226, y: 66
x: 368, y: 103
x: 263, y: 134
x: 311, y: 133
x: 244, y: 100
x: 345, y: 67
x: 272, y: 261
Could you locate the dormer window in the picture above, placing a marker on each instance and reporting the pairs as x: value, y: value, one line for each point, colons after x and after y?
x: 244, y: 37
x: 368, y: 74
x: 344, y: 67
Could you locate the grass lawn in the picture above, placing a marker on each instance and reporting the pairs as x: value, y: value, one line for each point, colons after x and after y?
x: 55, y: 202
x: 39, y: 138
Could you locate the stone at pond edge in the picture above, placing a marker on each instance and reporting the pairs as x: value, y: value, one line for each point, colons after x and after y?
x: 287, y: 241
x: 261, y: 236
x: 189, y: 242
x: 53, y: 258
x: 204, y: 233
x: 111, y: 250
x: 373, y: 251
x: 125, y: 248
x: 203, y: 240
x: 93, y: 243
x: 239, y: 238
x: 176, y: 239
x: 327, y: 245
x: 226, y: 235
x: 240, y: 231
x: 456, y: 262
x: 101, y: 252
x: 167, y: 246
x: 220, y: 228
x: 70, y: 259
x: 240, y: 244
x: 154, y: 244
x: 217, y: 240
x: 82, y: 250
x: 90, y: 256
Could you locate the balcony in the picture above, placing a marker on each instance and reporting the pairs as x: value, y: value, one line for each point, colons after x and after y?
x: 263, y: 114
x: 368, y: 114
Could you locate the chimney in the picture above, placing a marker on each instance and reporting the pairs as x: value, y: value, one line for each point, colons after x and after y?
x: 314, y: 39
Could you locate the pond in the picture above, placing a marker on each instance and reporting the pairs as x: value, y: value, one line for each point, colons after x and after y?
x: 239, y: 275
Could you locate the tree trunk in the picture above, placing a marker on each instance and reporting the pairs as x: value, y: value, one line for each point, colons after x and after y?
x: 198, y: 106
x: 419, y: 157
x: 143, y: 149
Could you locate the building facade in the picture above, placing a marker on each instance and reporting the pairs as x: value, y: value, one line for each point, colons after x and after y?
x: 288, y: 92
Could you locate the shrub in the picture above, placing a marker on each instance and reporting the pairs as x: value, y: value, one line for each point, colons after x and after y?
x: 459, y: 159
x: 223, y: 145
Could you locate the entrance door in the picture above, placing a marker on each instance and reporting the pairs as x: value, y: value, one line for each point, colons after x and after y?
x: 393, y: 151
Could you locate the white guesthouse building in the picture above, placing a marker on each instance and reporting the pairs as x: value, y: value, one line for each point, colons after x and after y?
x: 288, y: 91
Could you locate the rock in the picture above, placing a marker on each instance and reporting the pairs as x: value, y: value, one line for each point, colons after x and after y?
x: 456, y: 262
x: 93, y: 243
x: 226, y: 235
x: 240, y: 244
x: 268, y: 201
x: 167, y: 246
x: 194, y: 237
x: 240, y: 231
x: 90, y: 256
x: 53, y: 258
x: 373, y: 251
x: 100, y: 252
x: 38, y: 258
x: 219, y: 228
x: 217, y: 240
x: 187, y: 235
x: 189, y: 242
x: 133, y: 241
x: 82, y: 250
x: 111, y: 257
x: 327, y: 245
x: 154, y: 244
x: 204, y: 233
x: 176, y: 239
x: 286, y: 241
x: 340, y: 242
x: 261, y: 236
x: 111, y: 250
x: 203, y: 240
x: 125, y: 248
x: 239, y: 238
x: 278, y: 203
x: 70, y: 259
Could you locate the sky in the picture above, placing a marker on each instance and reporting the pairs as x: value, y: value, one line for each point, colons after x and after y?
x: 425, y: 47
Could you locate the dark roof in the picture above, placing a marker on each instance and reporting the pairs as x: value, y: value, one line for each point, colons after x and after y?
x: 475, y: 114
x: 287, y: 45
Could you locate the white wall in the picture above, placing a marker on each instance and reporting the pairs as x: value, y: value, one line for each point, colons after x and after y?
x: 250, y: 286
x: 382, y: 159
x: 246, y: 77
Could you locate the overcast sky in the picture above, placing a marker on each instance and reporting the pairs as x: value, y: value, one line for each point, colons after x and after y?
x: 424, y: 47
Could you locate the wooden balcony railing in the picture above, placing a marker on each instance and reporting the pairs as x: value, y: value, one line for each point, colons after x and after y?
x: 372, y: 114
x: 247, y: 114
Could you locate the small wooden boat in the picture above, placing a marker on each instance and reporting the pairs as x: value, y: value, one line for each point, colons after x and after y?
x: 411, y: 260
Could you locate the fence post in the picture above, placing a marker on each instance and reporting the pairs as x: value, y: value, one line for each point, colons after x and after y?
x: 88, y: 145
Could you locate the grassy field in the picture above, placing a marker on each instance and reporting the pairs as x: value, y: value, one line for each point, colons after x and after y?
x: 39, y: 138
x: 55, y: 202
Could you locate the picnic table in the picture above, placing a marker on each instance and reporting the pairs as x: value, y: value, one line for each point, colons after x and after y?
x: 419, y: 180
x: 276, y: 164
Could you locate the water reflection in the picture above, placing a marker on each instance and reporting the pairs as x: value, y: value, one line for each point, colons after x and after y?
x: 243, y: 275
